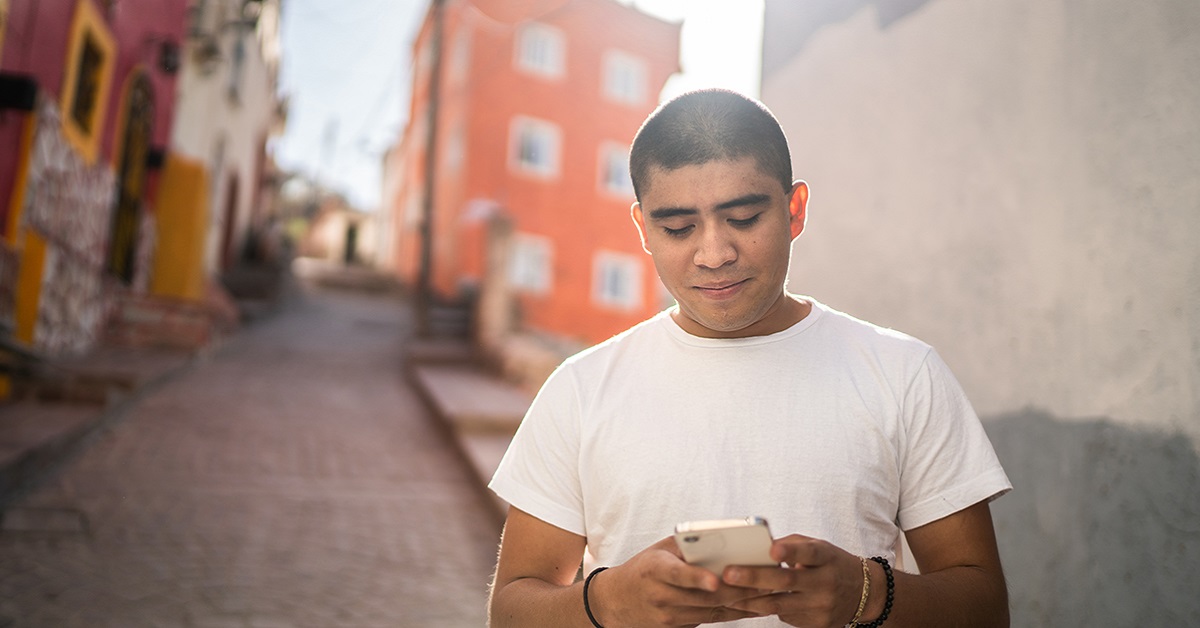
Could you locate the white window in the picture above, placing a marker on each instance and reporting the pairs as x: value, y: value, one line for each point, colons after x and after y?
x: 541, y: 50
x: 237, y: 70
x: 624, y: 77
x: 534, y: 147
x: 617, y: 280
x: 531, y: 263
x: 614, y: 170
x: 456, y: 147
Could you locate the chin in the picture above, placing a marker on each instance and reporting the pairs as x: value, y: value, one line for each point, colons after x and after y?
x: 722, y: 325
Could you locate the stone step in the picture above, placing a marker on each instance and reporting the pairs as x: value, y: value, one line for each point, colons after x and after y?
x: 472, y: 400
x: 148, y: 321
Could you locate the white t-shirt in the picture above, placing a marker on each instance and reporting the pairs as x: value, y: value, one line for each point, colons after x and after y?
x: 833, y: 428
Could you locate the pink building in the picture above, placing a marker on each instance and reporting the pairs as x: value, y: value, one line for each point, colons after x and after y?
x: 88, y: 99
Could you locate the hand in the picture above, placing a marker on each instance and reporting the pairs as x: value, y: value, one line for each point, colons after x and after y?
x: 821, y: 587
x: 657, y: 588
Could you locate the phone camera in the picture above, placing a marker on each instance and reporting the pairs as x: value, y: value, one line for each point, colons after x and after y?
x: 691, y: 539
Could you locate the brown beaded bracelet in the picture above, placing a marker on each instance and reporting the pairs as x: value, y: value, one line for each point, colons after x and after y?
x: 891, y: 592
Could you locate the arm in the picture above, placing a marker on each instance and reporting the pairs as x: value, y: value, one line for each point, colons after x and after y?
x: 535, y: 584
x: 960, y: 584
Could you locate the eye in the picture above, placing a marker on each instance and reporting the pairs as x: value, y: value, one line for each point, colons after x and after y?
x: 678, y: 233
x: 745, y: 222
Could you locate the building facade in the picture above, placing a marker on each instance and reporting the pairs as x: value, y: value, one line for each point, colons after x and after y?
x: 89, y: 96
x: 228, y: 110
x: 1016, y: 184
x: 125, y: 184
x: 534, y: 120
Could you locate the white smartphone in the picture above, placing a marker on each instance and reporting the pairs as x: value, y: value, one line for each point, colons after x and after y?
x: 717, y: 543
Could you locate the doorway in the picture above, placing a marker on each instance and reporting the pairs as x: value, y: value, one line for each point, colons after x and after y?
x: 131, y: 182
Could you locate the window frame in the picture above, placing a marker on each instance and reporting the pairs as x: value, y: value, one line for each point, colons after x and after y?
x: 617, y: 65
x: 604, y: 263
x: 531, y: 264
x: 527, y: 58
x: 87, y: 28
x: 541, y: 129
x: 606, y: 153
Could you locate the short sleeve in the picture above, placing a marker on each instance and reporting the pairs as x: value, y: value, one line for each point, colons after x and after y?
x: 947, y: 462
x: 539, y: 472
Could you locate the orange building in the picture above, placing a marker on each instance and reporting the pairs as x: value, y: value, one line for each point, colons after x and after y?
x: 534, y: 121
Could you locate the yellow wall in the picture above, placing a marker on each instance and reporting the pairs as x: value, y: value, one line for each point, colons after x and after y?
x: 181, y: 210
x: 3, y: 21
x: 29, y: 285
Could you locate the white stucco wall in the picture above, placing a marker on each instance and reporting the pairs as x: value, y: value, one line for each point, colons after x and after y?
x: 223, y: 132
x: 1016, y: 183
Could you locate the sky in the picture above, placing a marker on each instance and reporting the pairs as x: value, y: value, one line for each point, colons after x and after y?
x: 346, y: 75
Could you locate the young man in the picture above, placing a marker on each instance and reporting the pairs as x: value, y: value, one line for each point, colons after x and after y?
x: 744, y: 400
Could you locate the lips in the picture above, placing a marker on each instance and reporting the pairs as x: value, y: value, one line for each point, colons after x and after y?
x: 722, y: 289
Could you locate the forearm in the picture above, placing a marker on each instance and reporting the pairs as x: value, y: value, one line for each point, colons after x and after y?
x: 956, y: 596
x: 533, y: 602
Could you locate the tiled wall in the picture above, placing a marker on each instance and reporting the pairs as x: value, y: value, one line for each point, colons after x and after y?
x: 69, y: 203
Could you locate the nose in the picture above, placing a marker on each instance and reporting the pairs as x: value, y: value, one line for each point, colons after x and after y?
x: 714, y: 250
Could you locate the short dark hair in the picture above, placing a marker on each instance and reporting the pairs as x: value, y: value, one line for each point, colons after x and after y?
x: 705, y: 125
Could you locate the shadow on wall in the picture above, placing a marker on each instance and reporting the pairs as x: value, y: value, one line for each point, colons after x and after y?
x: 1103, y: 525
x: 809, y: 17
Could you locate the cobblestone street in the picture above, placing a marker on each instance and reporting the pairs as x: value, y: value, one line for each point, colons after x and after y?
x: 293, y: 479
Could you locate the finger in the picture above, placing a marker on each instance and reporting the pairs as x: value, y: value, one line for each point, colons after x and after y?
x: 725, y: 613
x: 672, y: 570
x: 771, y: 579
x: 796, y: 550
x: 712, y: 615
x: 773, y: 604
x: 668, y: 544
x: 725, y: 595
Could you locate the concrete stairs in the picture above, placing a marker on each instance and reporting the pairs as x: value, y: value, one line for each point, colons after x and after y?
x: 142, y: 320
x: 479, y: 410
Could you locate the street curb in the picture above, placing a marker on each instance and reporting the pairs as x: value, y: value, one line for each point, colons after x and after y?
x: 469, y: 437
x: 41, y: 462
x: 446, y: 427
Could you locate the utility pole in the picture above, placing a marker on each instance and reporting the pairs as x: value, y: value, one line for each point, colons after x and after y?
x: 424, y: 295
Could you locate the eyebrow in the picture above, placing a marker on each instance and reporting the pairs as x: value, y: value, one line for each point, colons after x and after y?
x: 663, y: 213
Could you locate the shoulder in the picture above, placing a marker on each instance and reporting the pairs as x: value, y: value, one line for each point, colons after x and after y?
x: 864, y: 335
x: 636, y: 339
x: 580, y: 375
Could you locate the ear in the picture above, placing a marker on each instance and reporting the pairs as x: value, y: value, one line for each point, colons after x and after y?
x: 798, y: 207
x: 635, y: 212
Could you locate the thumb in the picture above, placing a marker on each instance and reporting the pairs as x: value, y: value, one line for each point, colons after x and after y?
x: 669, y: 545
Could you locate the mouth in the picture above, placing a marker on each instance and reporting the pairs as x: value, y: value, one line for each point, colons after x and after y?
x: 723, y: 289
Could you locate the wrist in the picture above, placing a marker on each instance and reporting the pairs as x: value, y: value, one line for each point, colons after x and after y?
x: 877, y: 596
x: 590, y: 606
x: 879, y: 602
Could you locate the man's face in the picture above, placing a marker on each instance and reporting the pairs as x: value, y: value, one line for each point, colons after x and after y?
x: 720, y: 234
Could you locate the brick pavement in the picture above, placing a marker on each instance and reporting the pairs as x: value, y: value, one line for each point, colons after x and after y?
x: 294, y: 479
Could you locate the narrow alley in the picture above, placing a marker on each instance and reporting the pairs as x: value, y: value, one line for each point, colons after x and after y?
x: 292, y: 479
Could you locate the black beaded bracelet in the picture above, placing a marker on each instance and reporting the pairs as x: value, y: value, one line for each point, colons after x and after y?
x: 891, y: 592
x: 587, y: 582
